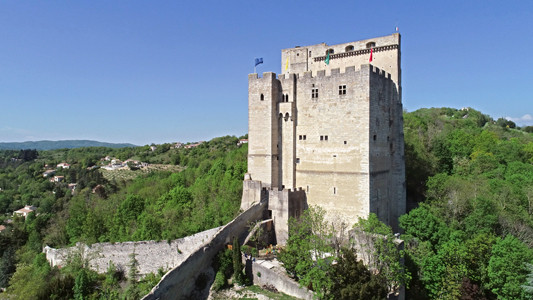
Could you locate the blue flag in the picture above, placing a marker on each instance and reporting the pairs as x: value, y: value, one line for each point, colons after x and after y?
x: 258, y: 61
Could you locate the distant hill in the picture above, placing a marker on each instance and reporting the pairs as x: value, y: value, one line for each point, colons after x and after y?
x: 50, y: 145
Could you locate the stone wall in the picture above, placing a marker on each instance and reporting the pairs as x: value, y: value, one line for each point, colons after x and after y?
x: 270, y: 273
x: 151, y: 255
x: 180, y: 282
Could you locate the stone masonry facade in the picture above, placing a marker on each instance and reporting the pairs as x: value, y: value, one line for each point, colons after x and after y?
x: 329, y: 134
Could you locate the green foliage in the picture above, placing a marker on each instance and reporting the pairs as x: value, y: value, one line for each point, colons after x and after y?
x: 507, y: 268
x: 307, y: 255
x: 352, y: 280
x: 223, y: 265
x: 238, y: 267
x: 383, y: 252
x: 474, y: 177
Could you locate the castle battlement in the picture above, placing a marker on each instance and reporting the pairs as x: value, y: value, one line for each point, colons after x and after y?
x: 333, y: 72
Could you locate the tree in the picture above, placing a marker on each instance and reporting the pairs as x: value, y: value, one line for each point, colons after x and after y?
x: 237, y: 262
x: 81, y: 285
x: 507, y: 270
x: 384, y: 254
x: 132, y: 291
x: 352, y: 280
x: 308, y: 253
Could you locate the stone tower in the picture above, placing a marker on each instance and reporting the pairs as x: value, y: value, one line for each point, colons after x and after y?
x: 328, y: 131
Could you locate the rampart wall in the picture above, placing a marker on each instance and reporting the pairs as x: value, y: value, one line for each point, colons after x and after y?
x: 179, y: 283
x: 270, y: 273
x: 151, y: 255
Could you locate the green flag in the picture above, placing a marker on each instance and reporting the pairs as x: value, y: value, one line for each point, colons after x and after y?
x: 327, y: 59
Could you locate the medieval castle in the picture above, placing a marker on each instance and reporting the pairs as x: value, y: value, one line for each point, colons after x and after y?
x: 328, y: 131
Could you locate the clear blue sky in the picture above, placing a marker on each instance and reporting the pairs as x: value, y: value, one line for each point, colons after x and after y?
x: 163, y: 71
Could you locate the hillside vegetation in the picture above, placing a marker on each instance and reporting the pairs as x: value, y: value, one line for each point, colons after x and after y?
x: 158, y: 205
x: 472, y: 233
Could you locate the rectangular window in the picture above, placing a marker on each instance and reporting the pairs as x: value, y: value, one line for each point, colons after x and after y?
x: 314, y: 93
x: 334, y: 190
x: 305, y: 137
x: 325, y: 137
x: 297, y: 160
x: 300, y: 137
x: 342, y: 89
x: 321, y: 137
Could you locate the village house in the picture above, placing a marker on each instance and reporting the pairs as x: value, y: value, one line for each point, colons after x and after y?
x: 63, y: 165
x: 57, y: 179
x: 48, y: 173
x: 242, y: 141
x: 25, y: 211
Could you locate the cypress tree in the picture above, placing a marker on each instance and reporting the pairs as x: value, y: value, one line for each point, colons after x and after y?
x: 237, y: 262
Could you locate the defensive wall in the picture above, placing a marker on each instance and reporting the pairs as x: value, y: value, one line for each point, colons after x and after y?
x: 181, y: 282
x: 270, y: 273
x: 282, y: 204
x: 151, y: 255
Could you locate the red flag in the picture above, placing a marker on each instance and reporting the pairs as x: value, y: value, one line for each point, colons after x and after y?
x: 370, y: 60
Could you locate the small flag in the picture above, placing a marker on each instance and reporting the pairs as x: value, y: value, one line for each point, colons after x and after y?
x: 287, y: 64
x: 327, y: 59
x: 258, y: 61
x: 370, y: 59
x: 397, y: 28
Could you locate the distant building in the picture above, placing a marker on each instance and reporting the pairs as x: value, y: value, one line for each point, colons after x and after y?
x: 242, y: 141
x: 57, y: 179
x: 48, y: 173
x: 194, y: 145
x: 63, y: 165
x: 25, y: 211
x: 72, y: 186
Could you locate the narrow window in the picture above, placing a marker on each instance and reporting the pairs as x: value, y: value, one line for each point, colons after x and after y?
x: 334, y: 190
x: 307, y: 189
x: 314, y: 93
x: 300, y: 137
x: 325, y: 137
x: 262, y: 97
x: 374, y: 137
x: 321, y: 137
x: 342, y: 89
x: 305, y: 137
x: 309, y: 53
x: 297, y: 160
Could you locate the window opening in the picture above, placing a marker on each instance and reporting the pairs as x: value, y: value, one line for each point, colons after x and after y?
x: 342, y: 89
x: 370, y: 45
x: 334, y: 190
x: 330, y: 51
x: 325, y: 137
x: 344, y: 142
x: 349, y: 48
x: 309, y: 53
x: 262, y: 97
x: 321, y: 137
x: 314, y: 93
x: 374, y: 137
x: 305, y: 137
x: 300, y: 137
x: 297, y: 160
